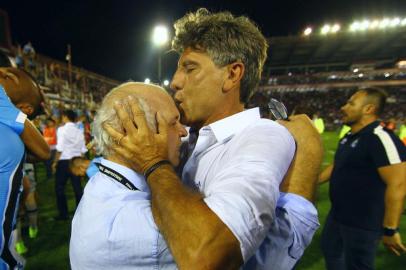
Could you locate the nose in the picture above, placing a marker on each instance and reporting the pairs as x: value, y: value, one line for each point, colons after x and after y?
x: 343, y: 107
x: 182, y: 131
x: 177, y: 82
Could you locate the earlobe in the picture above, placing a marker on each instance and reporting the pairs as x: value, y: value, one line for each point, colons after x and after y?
x: 235, y: 72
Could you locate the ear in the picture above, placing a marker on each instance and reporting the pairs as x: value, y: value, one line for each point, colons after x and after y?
x: 26, y: 108
x: 369, y: 109
x: 235, y: 72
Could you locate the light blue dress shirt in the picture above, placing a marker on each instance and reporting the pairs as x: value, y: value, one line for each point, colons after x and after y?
x: 113, y: 227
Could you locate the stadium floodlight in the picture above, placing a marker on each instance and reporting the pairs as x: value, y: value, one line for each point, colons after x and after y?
x: 325, y: 29
x: 307, y: 31
x: 147, y: 81
x: 160, y: 35
x: 364, y: 25
x: 403, y: 23
x: 394, y: 22
x: 354, y: 26
x: 384, y: 23
x: 336, y: 27
x: 355, y: 70
x: 374, y: 24
x: 166, y: 82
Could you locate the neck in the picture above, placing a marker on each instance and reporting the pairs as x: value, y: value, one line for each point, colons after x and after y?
x: 362, y: 123
x: 222, y: 112
x: 119, y: 160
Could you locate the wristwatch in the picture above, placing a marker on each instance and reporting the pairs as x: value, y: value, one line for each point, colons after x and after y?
x: 389, y: 231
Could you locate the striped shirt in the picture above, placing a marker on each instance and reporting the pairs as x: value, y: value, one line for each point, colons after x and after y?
x: 11, y: 174
x: 356, y: 188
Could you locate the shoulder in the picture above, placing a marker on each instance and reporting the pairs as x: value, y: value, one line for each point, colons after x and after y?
x: 384, y: 141
x: 11, y: 146
x: 265, y: 129
x: 382, y: 136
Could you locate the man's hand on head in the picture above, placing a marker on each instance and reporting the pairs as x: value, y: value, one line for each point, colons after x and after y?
x: 139, y: 144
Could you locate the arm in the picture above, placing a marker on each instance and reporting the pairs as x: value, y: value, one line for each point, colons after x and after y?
x: 34, y: 141
x: 394, y: 177
x: 232, y: 219
x: 196, y: 236
x: 326, y: 174
x: 16, y: 120
x: 303, y: 173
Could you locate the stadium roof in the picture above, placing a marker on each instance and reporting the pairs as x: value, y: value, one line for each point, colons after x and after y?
x: 380, y: 47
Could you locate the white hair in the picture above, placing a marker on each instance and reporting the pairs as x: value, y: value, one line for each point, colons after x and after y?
x: 107, y: 115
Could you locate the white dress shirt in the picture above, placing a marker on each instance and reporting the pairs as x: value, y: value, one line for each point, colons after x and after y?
x: 113, y: 227
x: 238, y: 164
x: 70, y: 141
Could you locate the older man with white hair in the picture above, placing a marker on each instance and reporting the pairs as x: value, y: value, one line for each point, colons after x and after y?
x: 113, y: 227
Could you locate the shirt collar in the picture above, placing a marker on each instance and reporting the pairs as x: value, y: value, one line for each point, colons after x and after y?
x: 368, y: 128
x: 135, y: 178
x: 227, y: 127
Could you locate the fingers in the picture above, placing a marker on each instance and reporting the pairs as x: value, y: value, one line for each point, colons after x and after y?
x: 402, y: 247
x: 394, y: 250
x: 125, y: 118
x: 162, y: 124
x: 138, y: 115
x: 114, y: 134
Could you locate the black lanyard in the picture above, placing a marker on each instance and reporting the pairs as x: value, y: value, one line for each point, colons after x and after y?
x: 116, y: 176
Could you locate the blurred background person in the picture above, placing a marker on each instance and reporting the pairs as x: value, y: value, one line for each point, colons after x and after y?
x: 367, y: 187
x: 70, y: 143
x: 49, y: 133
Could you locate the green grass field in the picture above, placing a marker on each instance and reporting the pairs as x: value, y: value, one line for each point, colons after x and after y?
x: 50, y: 249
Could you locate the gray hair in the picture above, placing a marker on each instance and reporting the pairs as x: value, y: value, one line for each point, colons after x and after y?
x: 226, y: 39
x: 107, y: 115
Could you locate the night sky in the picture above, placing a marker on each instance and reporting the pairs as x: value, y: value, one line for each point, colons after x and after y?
x: 113, y: 38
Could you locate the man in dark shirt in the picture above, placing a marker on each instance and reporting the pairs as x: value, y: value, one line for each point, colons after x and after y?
x: 367, y: 187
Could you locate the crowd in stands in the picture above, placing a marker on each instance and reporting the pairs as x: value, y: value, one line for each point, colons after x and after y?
x: 327, y: 104
x: 355, y: 75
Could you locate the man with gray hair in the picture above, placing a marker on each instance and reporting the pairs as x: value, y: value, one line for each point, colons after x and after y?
x: 113, y: 227
x: 229, y: 211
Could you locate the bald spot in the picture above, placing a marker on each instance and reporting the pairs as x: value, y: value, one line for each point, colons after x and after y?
x: 156, y: 97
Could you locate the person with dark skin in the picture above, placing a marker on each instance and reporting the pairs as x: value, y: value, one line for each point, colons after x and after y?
x: 20, y: 96
x: 371, y: 159
x: 27, y: 96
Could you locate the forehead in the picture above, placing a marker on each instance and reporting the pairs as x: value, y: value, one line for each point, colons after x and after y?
x: 358, y: 96
x: 190, y: 55
x: 167, y: 107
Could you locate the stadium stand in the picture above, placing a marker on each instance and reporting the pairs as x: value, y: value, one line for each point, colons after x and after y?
x: 317, y: 73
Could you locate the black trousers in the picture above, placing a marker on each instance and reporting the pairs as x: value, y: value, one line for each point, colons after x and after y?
x: 61, y: 177
x: 348, y: 248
